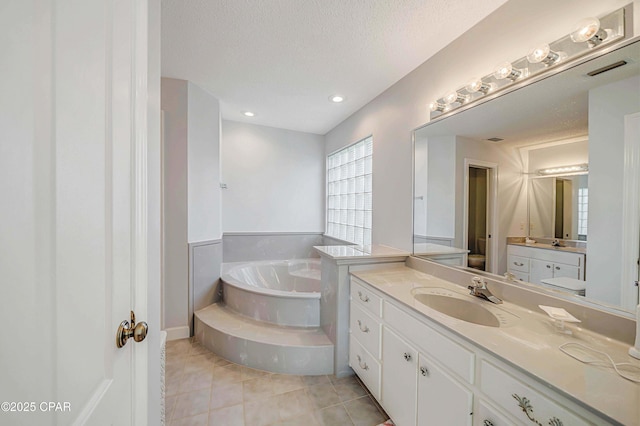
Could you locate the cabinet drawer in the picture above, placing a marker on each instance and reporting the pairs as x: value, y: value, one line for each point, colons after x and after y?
x: 521, y: 276
x: 560, y: 270
x: 365, y: 366
x: 486, y: 415
x: 518, y: 263
x: 453, y: 356
x: 521, y: 401
x: 365, y: 328
x: 365, y: 298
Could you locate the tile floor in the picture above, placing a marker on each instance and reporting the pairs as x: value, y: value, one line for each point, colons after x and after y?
x: 205, y: 389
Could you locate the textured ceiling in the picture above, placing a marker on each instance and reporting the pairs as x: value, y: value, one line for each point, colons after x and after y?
x: 282, y: 59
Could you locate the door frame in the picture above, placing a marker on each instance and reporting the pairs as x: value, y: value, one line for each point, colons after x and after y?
x: 491, y: 264
x: 629, y: 295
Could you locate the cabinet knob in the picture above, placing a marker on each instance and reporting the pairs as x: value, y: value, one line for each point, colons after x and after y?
x: 424, y: 371
x: 487, y: 423
x: 364, y: 329
x: 557, y: 268
x: 407, y: 356
x: 549, y: 266
x: 364, y: 298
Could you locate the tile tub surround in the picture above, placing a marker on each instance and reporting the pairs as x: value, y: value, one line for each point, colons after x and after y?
x: 205, y: 389
x: 529, y: 345
x: 245, y: 246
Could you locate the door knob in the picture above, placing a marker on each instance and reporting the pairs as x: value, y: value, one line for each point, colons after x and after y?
x: 126, y: 330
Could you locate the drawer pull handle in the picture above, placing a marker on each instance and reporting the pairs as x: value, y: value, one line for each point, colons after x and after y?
x: 518, y: 263
x: 549, y: 266
x: 364, y: 329
x: 364, y: 298
x: 407, y: 356
x: 364, y: 365
x: 557, y: 268
x: 527, y: 408
x: 487, y: 423
x: 424, y: 371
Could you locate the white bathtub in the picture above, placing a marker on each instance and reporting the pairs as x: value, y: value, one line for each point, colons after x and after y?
x: 284, y: 292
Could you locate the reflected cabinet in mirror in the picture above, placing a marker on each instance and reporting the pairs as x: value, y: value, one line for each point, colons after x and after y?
x: 541, y: 184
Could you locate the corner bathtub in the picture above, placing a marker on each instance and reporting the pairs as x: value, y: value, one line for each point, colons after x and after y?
x: 283, y: 292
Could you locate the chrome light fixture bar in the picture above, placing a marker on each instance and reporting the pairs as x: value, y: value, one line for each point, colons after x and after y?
x: 588, y: 34
x: 564, y: 170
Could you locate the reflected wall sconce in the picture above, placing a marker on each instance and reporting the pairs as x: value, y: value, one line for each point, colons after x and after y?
x: 564, y: 170
x: 588, y: 34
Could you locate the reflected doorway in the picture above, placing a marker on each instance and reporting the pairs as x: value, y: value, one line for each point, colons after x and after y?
x: 479, y: 213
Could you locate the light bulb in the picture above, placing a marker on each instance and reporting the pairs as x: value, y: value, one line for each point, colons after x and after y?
x: 454, y: 97
x: 478, y: 85
x: 337, y: 98
x: 506, y: 70
x: 545, y: 55
x: 585, y: 29
x: 436, y: 106
x: 249, y: 114
x: 589, y: 30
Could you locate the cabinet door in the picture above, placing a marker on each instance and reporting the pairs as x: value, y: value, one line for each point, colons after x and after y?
x: 561, y: 270
x: 399, y: 375
x: 540, y: 269
x: 441, y: 399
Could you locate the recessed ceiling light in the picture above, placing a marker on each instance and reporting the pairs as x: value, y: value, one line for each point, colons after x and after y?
x: 249, y: 114
x: 337, y: 98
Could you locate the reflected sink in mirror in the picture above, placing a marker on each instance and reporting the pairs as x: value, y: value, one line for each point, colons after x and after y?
x: 463, y: 308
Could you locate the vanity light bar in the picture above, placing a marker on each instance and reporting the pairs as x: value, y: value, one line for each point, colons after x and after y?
x: 588, y: 34
x: 563, y: 170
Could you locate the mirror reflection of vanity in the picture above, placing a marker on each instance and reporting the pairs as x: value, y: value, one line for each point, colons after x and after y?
x: 567, y: 119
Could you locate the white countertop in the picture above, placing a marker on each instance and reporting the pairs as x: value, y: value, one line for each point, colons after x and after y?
x: 426, y: 249
x: 530, y: 345
x: 359, y: 252
x: 580, y: 250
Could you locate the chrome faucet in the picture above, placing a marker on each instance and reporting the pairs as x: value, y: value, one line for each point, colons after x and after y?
x: 479, y: 289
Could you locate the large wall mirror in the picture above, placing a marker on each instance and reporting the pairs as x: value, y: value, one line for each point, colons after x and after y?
x: 554, y: 162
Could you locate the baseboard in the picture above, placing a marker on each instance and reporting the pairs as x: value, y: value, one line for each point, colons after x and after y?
x: 175, y: 333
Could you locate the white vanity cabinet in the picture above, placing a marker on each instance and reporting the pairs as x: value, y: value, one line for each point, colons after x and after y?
x: 422, y: 374
x: 533, y: 264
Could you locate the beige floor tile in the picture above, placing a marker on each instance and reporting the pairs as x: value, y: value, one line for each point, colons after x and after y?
x: 201, y: 362
x: 349, y: 391
x: 343, y: 380
x: 195, y: 380
x: 335, y: 416
x: 227, y: 416
x: 199, y: 420
x: 250, y: 373
x: 309, y: 419
x: 198, y: 349
x: 226, y: 395
x: 323, y: 395
x: 257, y: 389
x: 171, y: 387
x: 191, y: 403
x: 363, y: 412
x: 315, y: 380
x: 227, y: 374
x: 169, y: 404
x: 262, y: 412
x: 294, y: 404
x: 178, y: 346
x: 221, y: 362
x: 283, y: 383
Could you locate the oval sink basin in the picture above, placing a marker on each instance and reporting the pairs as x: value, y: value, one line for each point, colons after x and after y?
x: 461, y: 309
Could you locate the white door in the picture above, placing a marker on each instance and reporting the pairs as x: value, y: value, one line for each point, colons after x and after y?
x: 74, y: 252
x: 399, y: 386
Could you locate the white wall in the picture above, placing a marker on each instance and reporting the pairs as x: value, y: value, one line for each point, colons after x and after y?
x: 174, y: 170
x: 390, y: 118
x: 565, y: 154
x: 203, y: 156
x: 275, y: 179
x: 191, y: 191
x: 607, y: 107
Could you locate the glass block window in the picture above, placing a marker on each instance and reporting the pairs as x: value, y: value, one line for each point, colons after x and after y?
x: 349, y: 185
x: 583, y: 201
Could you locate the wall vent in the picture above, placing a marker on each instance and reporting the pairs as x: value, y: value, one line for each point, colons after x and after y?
x: 606, y: 68
x: 495, y: 139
